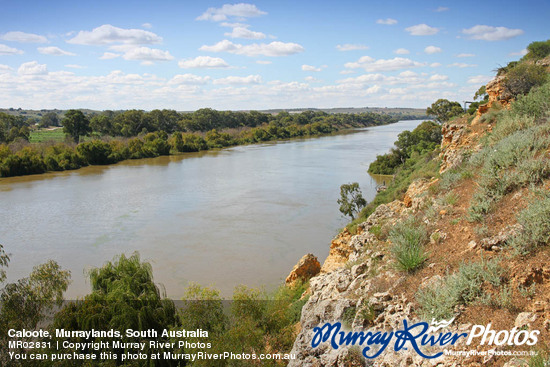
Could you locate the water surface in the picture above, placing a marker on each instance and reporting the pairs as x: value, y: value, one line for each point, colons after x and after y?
x: 243, y: 215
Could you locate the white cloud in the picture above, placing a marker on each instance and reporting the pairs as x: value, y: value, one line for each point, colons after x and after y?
x: 23, y: 37
x: 387, y: 21
x: 489, y: 33
x: 109, y: 55
x: 75, y: 66
x: 438, y: 77
x: 435, y: 65
x: 372, y: 65
x: 351, y: 47
x: 5, y: 68
x: 107, y: 34
x: 422, y: 30
x: 242, y: 32
x: 312, y: 68
x: 432, y: 50
x: 54, y: 51
x: 240, y: 10
x: 32, y: 68
x: 401, y: 51
x: 363, y: 79
x: 461, y: 65
x: 6, y: 50
x: 189, y: 79
x: 251, y: 79
x: 263, y: 62
x: 203, y: 62
x: 234, y: 25
x: 311, y: 79
x: 465, y: 55
x: 147, y: 54
x: 520, y: 53
x: 255, y: 49
x: 147, y: 25
x: 479, y: 79
x: 441, y: 9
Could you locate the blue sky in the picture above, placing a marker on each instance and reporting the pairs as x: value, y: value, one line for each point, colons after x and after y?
x: 186, y: 55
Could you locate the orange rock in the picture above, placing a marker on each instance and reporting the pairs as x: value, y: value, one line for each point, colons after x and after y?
x: 306, y: 268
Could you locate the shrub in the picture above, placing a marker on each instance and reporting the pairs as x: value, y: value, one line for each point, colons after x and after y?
x: 408, y: 238
x: 521, y: 78
x: 538, y: 50
x: 463, y: 287
x: 95, y: 152
x: 535, y: 220
x: 535, y: 104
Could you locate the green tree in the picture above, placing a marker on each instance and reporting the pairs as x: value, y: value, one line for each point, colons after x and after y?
x: 538, y: 50
x: 351, y: 200
x: 49, y: 119
x: 124, y: 296
x: 444, y: 110
x: 76, y: 124
x: 25, y: 303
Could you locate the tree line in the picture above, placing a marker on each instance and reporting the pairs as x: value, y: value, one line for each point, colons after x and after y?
x: 110, y: 137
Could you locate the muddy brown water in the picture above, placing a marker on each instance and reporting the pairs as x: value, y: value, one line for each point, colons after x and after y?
x: 243, y: 215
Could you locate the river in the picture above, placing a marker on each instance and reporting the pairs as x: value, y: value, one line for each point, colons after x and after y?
x: 242, y: 215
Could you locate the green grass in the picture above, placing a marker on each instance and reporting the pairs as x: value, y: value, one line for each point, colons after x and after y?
x: 38, y: 136
x: 408, y: 238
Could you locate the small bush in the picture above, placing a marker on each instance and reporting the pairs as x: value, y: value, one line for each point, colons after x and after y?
x: 535, y: 220
x: 451, y: 199
x: 408, y: 238
x: 463, y: 287
x: 535, y: 104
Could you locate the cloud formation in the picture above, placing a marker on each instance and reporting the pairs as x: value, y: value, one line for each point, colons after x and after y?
x: 351, y: 47
x: 203, y: 62
x: 372, y: 65
x: 489, y: 33
x: 387, y: 21
x: 54, y: 51
x: 23, y: 37
x: 241, y: 10
x: 401, y: 51
x: 243, y: 32
x: 147, y: 54
x: 108, y: 34
x: 251, y: 79
x: 432, y: 50
x: 312, y: 68
x: 255, y: 49
x: 189, y: 79
x: 422, y: 30
x: 32, y: 68
x: 6, y: 50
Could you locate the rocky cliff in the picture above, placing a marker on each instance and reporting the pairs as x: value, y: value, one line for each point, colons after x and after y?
x: 360, y: 286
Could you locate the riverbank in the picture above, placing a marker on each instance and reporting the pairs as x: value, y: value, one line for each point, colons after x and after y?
x: 20, y: 158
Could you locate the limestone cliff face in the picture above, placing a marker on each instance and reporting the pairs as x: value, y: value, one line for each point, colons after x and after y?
x: 358, y: 284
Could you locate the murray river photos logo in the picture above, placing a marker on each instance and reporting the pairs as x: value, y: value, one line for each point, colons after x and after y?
x: 419, y: 336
